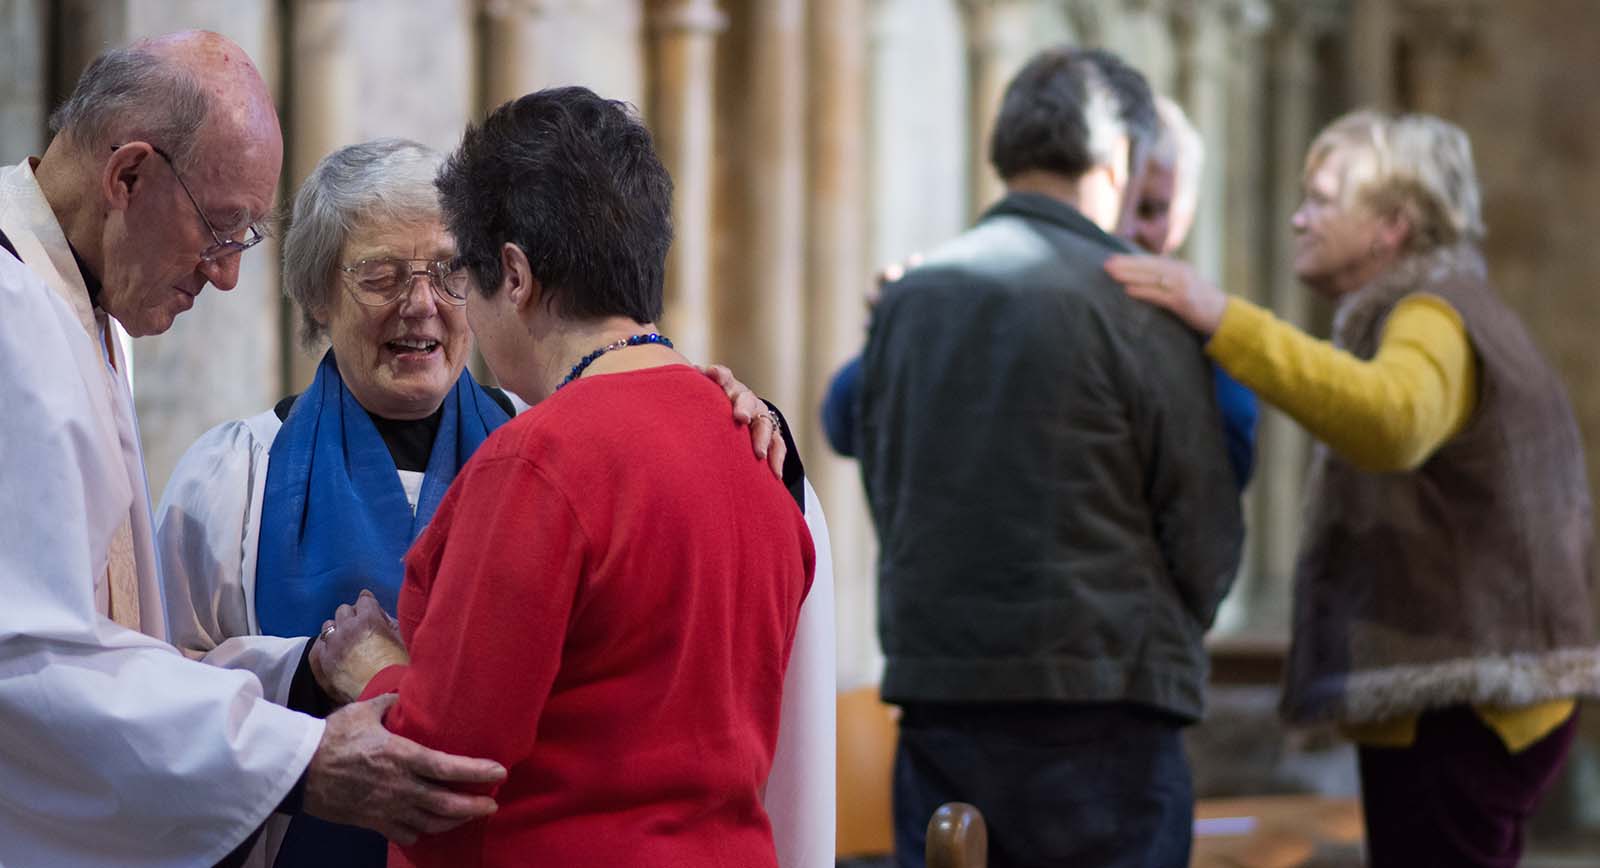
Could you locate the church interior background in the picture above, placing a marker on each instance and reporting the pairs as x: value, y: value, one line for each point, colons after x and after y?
x: 813, y: 140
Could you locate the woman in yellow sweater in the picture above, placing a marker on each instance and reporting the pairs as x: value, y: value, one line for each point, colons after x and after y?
x: 1441, y: 601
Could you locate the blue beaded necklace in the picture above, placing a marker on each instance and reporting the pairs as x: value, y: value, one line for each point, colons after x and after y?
x: 634, y: 341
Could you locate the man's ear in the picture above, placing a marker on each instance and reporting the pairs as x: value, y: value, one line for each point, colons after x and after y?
x: 516, y: 277
x: 122, y: 176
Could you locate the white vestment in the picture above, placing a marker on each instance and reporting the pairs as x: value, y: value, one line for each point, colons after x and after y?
x: 115, y: 750
x: 208, y: 527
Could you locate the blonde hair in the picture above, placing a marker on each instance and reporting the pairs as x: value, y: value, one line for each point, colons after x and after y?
x: 1415, y: 167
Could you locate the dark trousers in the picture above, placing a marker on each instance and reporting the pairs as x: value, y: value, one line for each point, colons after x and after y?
x: 1456, y: 796
x: 1086, y: 786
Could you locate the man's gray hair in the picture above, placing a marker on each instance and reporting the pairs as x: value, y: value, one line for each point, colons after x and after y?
x: 1179, y: 147
x: 130, y: 94
x: 384, y: 179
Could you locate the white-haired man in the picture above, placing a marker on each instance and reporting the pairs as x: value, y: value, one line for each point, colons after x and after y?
x: 118, y: 750
x: 1057, y: 518
x: 1161, y: 217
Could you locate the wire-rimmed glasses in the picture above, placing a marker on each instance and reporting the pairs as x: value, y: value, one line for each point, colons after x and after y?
x: 222, y: 247
x: 377, y: 282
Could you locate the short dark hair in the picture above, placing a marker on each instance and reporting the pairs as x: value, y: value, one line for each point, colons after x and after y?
x: 1065, y: 109
x: 573, y: 180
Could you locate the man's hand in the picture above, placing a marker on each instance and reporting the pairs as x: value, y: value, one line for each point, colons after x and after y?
x: 765, y: 435
x: 364, y: 775
x: 356, y: 644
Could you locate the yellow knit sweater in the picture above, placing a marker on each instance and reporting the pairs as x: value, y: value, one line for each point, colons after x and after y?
x: 1384, y: 415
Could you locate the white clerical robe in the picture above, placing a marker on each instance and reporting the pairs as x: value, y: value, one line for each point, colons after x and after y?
x: 208, y: 528
x: 115, y: 749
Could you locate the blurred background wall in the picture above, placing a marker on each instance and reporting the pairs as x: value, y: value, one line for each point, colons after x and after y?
x: 813, y: 140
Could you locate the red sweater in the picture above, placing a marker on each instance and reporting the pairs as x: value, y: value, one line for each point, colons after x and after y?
x: 605, y: 603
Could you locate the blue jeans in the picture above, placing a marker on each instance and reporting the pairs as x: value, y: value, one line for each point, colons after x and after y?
x: 1091, y: 785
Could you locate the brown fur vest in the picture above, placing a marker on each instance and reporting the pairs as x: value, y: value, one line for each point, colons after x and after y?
x: 1467, y: 579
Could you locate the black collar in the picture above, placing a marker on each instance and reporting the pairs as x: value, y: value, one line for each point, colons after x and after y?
x: 1038, y: 206
x: 89, y: 279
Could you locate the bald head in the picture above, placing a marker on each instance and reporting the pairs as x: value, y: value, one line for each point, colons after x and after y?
x: 170, y: 91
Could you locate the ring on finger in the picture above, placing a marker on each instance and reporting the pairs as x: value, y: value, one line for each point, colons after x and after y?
x: 328, y: 630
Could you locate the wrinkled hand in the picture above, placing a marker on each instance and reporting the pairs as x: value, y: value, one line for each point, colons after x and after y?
x: 889, y: 274
x: 765, y: 436
x: 364, y: 775
x: 356, y: 644
x: 1171, y: 284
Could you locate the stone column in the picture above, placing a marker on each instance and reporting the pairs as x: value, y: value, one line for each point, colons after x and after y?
x: 24, y: 78
x: 1372, y: 79
x: 222, y: 359
x: 324, y: 114
x: 758, y: 310
x: 1139, y: 31
x: 1283, y: 447
x: 1217, y: 77
x: 1441, y: 35
x: 838, y: 271
x: 682, y: 112
x: 997, y: 45
x: 531, y: 44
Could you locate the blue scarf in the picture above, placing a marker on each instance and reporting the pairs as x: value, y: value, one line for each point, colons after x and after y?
x: 334, y: 516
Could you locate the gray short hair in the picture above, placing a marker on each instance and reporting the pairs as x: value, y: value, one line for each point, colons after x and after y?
x: 385, y: 179
x: 1179, y: 145
x: 131, y: 94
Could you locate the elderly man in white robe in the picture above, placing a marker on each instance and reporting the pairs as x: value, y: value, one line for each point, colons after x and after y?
x: 115, y: 749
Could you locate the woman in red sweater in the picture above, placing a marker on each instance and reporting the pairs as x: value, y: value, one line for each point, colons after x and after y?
x: 607, y: 596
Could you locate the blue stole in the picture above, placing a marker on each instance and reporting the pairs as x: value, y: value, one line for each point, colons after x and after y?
x: 334, y: 516
x: 335, y: 520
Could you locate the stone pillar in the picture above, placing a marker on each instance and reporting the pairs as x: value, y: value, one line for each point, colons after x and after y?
x: 531, y: 44
x: 1283, y: 447
x: 682, y: 112
x: 1218, y: 76
x: 1140, y: 32
x: 323, y: 114
x: 997, y: 45
x: 1441, y: 35
x: 221, y: 360
x: 24, y: 78
x: 1372, y: 76
x: 84, y: 28
x: 758, y: 310
x: 838, y: 271
x: 919, y: 162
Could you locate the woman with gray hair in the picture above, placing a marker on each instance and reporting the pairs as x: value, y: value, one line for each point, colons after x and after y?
x: 270, y: 523
x: 1441, y: 598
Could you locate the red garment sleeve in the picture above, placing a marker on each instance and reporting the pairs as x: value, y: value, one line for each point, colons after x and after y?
x: 493, y: 586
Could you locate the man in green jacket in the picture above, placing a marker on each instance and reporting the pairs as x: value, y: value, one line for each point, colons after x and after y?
x: 1058, y: 518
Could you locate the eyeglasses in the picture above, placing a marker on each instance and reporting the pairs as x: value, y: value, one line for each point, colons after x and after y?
x: 223, y: 246
x: 378, y: 282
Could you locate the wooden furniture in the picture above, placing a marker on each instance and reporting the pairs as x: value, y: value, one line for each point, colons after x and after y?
x: 1277, y: 832
x: 867, y: 733
x: 957, y: 837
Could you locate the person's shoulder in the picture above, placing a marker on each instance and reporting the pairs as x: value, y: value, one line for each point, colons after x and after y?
x: 30, y: 305
x: 235, y: 438
x: 219, y: 459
